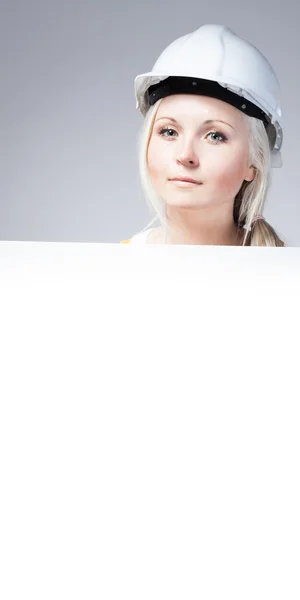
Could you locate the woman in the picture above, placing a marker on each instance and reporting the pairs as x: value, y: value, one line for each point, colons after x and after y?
x: 212, y: 131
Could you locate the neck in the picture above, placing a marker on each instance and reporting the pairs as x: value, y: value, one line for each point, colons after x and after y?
x: 200, y: 227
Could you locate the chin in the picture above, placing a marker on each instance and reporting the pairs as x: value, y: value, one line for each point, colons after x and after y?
x: 185, y: 202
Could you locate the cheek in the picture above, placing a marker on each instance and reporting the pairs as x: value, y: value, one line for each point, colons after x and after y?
x: 228, y: 175
x: 157, y: 159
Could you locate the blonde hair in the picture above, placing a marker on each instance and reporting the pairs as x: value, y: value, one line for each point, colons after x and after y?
x: 251, y: 197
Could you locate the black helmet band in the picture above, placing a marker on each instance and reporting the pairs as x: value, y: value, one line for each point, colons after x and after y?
x: 203, y: 87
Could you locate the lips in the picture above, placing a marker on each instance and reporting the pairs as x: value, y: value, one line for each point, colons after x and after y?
x: 186, y: 179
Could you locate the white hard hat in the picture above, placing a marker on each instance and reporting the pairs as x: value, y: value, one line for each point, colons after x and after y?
x: 242, y: 75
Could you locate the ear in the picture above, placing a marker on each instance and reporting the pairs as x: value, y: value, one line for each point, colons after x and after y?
x: 250, y: 173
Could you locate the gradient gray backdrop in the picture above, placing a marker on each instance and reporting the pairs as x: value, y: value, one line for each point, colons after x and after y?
x: 68, y: 160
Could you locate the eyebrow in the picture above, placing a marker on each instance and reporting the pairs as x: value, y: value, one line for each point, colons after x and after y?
x: 207, y: 122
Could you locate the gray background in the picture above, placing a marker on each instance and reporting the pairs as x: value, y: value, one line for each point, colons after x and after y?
x: 68, y: 122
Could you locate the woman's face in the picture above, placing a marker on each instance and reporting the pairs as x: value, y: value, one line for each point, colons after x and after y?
x: 203, y: 139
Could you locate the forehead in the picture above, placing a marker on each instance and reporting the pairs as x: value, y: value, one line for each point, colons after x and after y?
x: 183, y: 106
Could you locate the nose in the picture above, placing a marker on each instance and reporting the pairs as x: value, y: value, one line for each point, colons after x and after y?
x: 187, y: 156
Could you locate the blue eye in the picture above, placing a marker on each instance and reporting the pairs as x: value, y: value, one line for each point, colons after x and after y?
x: 220, y: 137
x: 165, y: 130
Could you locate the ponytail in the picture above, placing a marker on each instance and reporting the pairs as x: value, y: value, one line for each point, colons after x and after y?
x: 250, y: 199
